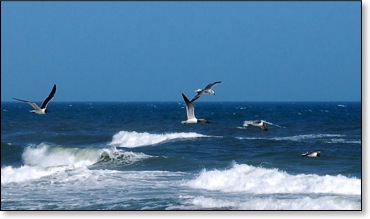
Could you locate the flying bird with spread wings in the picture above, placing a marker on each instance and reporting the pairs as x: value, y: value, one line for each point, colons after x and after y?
x: 206, y: 90
x: 190, y: 113
x: 42, y: 109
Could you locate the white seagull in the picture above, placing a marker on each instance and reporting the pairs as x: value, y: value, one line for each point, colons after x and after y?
x: 190, y: 113
x: 42, y: 109
x: 206, y: 90
x: 312, y: 154
x: 259, y: 123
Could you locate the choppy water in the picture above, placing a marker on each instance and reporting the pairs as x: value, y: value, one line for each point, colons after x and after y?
x: 138, y: 156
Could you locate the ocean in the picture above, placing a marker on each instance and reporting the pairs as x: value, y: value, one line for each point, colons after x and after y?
x: 138, y: 156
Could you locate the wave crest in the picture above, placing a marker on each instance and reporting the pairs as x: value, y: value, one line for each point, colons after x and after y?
x: 45, y: 155
x: 137, y: 139
x: 258, y: 180
x: 44, y: 160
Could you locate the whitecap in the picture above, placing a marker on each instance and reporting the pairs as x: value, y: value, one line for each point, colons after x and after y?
x: 258, y: 180
x: 45, y: 160
x: 138, y: 139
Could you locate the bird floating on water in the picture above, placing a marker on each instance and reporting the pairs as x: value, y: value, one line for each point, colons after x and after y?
x: 311, y: 154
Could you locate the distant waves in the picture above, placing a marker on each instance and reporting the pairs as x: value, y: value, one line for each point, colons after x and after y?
x: 324, y: 138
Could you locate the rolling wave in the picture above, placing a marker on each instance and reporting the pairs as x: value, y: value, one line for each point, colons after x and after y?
x: 258, y: 180
x: 44, y: 160
x: 139, y: 139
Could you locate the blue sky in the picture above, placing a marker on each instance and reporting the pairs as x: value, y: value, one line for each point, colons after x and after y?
x: 154, y: 51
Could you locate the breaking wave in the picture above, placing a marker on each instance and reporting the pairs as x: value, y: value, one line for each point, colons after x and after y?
x: 44, y: 160
x: 258, y: 180
x: 138, y: 139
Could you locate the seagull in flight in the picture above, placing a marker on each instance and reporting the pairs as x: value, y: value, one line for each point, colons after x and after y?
x: 42, y: 109
x: 190, y: 113
x: 206, y: 90
x: 257, y: 123
x: 261, y: 124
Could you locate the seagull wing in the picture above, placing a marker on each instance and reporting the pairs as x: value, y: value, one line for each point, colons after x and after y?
x: 189, y: 108
x: 211, y: 85
x: 199, y: 93
x: 49, y: 98
x: 34, y: 105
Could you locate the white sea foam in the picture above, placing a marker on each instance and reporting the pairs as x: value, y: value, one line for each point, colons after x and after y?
x: 89, y: 188
x: 25, y: 173
x: 44, y: 160
x: 258, y: 180
x: 205, y: 202
x: 138, y: 139
x: 274, y: 203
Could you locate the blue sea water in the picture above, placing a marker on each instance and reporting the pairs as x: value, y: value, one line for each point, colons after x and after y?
x: 138, y: 156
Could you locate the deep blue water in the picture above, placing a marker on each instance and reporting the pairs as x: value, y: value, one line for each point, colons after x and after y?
x: 138, y: 156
